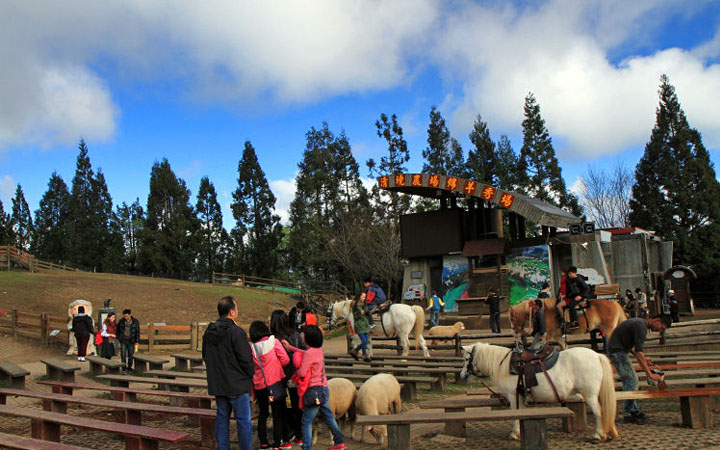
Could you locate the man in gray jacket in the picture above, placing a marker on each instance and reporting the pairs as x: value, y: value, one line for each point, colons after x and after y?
x: 230, y: 369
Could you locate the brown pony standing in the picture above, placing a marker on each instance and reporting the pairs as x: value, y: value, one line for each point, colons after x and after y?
x: 602, y: 314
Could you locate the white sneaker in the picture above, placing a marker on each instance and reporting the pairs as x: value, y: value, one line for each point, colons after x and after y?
x: 82, y: 358
x: 79, y: 358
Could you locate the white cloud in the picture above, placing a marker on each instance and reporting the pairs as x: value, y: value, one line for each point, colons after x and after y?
x: 284, y: 191
x: 7, y: 192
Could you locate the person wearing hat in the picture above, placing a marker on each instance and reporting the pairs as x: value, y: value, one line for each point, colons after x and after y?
x: 674, y: 309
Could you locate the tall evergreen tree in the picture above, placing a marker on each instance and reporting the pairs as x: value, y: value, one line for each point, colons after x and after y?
x: 253, y: 209
x: 6, y: 236
x: 543, y: 176
x: 51, y: 221
x: 212, y: 237
x: 676, y: 192
x: 442, y: 151
x: 130, y: 221
x: 482, y: 160
x: 507, y: 165
x: 168, y: 244
x: 21, y: 221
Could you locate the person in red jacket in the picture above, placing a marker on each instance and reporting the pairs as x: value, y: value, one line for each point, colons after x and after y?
x: 269, y: 357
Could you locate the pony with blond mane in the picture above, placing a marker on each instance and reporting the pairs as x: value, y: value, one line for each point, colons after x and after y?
x: 599, y: 314
x: 578, y: 370
x: 400, y: 320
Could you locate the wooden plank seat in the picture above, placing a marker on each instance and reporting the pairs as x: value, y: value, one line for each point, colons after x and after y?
x: 144, y: 362
x: 383, y: 356
x: 183, y: 385
x: 409, y: 384
x: 440, y: 374
x: 186, y: 361
x: 695, y: 403
x: 533, y: 428
x: 14, y: 374
x: 100, y: 365
x: 177, y: 374
x: 46, y: 426
x: 695, y: 365
x: 25, y: 443
x: 131, y: 411
x: 57, y: 369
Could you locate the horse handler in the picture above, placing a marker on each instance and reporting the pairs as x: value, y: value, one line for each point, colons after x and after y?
x: 628, y: 337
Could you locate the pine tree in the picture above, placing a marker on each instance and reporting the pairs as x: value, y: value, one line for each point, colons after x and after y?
x: 482, y: 160
x: 676, y: 192
x: 51, y: 221
x: 437, y: 155
x: 168, y: 243
x: 130, y: 220
x: 253, y: 209
x: 21, y: 221
x: 212, y: 237
x: 542, y: 177
x: 507, y: 165
x: 6, y: 237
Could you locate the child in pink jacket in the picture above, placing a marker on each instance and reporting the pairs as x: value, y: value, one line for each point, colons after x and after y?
x: 269, y: 357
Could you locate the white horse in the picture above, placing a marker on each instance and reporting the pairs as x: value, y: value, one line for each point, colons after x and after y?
x: 578, y: 370
x: 399, y: 321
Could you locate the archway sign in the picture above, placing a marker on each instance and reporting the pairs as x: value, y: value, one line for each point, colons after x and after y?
x: 435, y: 186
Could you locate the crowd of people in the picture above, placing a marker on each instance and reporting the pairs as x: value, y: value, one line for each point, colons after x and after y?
x: 279, y: 361
x: 111, y: 334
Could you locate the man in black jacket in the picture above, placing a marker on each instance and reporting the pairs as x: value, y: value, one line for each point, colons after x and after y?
x: 230, y: 369
x: 494, y: 302
x: 128, y: 334
x: 577, y: 291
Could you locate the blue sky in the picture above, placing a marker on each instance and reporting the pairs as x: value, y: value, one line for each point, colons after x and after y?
x: 191, y: 81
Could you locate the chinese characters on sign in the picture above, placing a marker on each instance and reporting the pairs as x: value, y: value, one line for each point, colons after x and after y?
x: 488, y: 193
x: 451, y: 183
x: 506, y: 200
x: 416, y: 180
x: 434, y: 181
x: 384, y: 182
x: 470, y: 187
x: 400, y: 179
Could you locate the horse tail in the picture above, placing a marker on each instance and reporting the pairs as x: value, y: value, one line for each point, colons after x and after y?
x: 419, y: 325
x: 608, y: 404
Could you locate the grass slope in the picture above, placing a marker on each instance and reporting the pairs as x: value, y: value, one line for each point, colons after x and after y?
x: 151, y: 299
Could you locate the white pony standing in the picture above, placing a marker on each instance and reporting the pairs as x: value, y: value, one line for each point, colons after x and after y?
x: 399, y: 321
x: 578, y: 370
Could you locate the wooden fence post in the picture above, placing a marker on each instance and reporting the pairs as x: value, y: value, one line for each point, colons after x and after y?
x: 457, y: 345
x: 213, y: 278
x: 397, y: 345
x: 14, y: 321
x: 193, y: 336
x: 151, y: 337
x: 43, y: 328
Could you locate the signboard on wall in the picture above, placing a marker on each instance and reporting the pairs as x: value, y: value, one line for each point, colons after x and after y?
x: 454, y: 280
x: 528, y: 269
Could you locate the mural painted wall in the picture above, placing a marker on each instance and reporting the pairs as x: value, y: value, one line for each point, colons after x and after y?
x: 455, y: 281
x: 528, y: 269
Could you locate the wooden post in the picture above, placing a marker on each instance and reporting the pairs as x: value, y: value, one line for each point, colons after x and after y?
x: 193, y: 336
x: 399, y: 436
x: 14, y: 321
x: 43, y: 328
x: 151, y: 337
x: 696, y: 412
x: 348, y: 338
x: 578, y: 422
x: 213, y: 278
x: 456, y: 427
x: 458, y: 350
x: 533, y: 434
x: 397, y: 344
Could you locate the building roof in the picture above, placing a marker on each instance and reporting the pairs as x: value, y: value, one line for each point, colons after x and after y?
x: 436, y: 186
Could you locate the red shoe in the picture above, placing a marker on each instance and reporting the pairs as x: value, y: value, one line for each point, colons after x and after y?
x: 297, y: 441
x: 337, y: 447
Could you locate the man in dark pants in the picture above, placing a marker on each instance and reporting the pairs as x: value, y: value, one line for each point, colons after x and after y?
x: 628, y: 337
x: 577, y: 291
x: 539, y: 325
x: 128, y: 334
x: 375, y: 297
x: 230, y: 369
x: 494, y: 302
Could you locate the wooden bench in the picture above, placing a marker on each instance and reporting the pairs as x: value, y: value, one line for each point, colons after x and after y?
x: 383, y: 356
x: 131, y: 412
x: 97, y: 364
x: 408, y: 384
x: 59, y: 370
x: 176, y: 374
x: 577, y: 422
x: 695, y: 404
x: 439, y: 375
x: 14, y: 374
x: 147, y: 362
x: 533, y: 428
x: 26, y: 443
x: 183, y: 385
x: 46, y: 426
x: 186, y: 362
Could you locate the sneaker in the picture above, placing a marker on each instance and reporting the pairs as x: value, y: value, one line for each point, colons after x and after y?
x: 337, y: 447
x: 266, y: 445
x: 367, y: 359
x: 354, y: 354
x: 79, y: 358
x: 286, y: 445
x: 296, y: 441
x: 640, y: 418
x: 82, y: 358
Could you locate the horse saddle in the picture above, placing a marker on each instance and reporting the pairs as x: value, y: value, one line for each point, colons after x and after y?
x: 527, y: 361
x: 383, y: 308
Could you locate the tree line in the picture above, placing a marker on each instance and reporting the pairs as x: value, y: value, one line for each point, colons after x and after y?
x: 338, y: 229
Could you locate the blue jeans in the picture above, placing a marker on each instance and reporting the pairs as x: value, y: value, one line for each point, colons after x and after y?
x: 241, y: 406
x: 127, y: 350
x: 434, y: 317
x: 626, y: 372
x: 363, y: 343
x: 309, y: 415
x: 372, y: 307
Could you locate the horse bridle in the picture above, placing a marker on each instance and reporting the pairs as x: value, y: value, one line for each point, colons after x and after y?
x: 471, y: 369
x: 329, y: 313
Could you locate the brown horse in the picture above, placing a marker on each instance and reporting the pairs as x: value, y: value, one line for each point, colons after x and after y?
x: 602, y: 314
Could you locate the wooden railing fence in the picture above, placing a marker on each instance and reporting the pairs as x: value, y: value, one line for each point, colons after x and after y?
x: 12, y: 256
